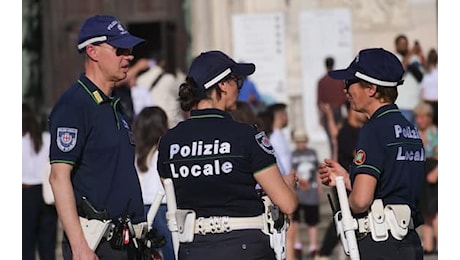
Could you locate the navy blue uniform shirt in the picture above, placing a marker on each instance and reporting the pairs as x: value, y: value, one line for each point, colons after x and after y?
x: 390, y: 149
x: 89, y: 131
x: 212, y: 160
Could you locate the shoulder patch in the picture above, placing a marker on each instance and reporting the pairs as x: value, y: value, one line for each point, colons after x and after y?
x: 66, y: 138
x: 360, y: 157
x: 264, y: 143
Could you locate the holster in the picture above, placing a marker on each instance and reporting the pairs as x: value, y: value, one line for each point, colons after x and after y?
x: 276, y: 225
x: 377, y: 224
x: 94, y: 230
x: 185, y: 219
x: 398, y: 218
x: 393, y: 217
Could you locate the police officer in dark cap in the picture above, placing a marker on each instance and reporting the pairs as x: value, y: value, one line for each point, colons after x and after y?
x: 93, y: 176
x: 216, y: 162
x: 386, y: 176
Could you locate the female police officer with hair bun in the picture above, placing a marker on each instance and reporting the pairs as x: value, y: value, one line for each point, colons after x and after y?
x: 216, y: 162
x: 387, y: 172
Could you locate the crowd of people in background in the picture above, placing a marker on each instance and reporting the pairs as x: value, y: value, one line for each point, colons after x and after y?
x: 149, y: 95
x: 39, y: 216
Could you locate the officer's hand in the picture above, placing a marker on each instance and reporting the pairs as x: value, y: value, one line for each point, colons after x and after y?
x: 291, y: 179
x: 329, y: 170
x: 84, y: 253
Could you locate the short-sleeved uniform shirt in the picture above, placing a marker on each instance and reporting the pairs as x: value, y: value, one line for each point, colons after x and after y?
x: 212, y: 160
x: 89, y: 131
x: 390, y: 149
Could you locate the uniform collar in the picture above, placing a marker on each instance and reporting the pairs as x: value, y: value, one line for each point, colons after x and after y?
x: 385, y: 109
x: 96, y: 94
x: 209, y: 112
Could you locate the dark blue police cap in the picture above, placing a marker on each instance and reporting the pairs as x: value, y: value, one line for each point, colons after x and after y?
x: 376, y: 66
x: 103, y: 28
x: 212, y: 66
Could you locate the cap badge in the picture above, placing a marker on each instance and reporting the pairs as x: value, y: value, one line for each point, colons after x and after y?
x: 121, y: 29
x: 112, y: 24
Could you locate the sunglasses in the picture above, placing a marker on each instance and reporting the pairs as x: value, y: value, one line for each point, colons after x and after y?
x: 350, y: 82
x: 119, y: 51
x: 123, y: 51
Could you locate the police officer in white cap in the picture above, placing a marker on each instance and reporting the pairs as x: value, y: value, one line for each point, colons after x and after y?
x: 92, y: 148
x: 215, y: 163
x: 385, y: 179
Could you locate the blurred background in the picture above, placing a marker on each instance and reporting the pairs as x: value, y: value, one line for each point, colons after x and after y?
x: 288, y: 40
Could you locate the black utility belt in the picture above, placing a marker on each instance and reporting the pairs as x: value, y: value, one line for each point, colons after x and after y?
x: 125, y: 233
x: 97, y: 225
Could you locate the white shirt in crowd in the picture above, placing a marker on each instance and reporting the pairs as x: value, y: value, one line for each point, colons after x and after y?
x: 34, y: 164
x: 429, y: 85
x: 141, y: 98
x: 150, y: 181
x: 282, y: 151
x: 164, y: 94
x: 409, y: 92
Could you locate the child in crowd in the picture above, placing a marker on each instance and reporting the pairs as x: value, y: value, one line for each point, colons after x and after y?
x: 305, y: 162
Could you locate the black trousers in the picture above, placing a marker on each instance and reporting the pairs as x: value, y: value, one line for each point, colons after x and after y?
x: 237, y: 244
x: 39, y: 225
x: 410, y: 248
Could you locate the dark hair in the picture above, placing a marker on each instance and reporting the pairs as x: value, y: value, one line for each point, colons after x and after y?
x: 31, y: 125
x: 399, y: 38
x: 267, y: 122
x: 268, y: 116
x: 189, y: 93
x: 329, y: 63
x: 387, y: 94
x: 433, y: 57
x: 149, y: 125
x: 272, y: 109
x: 245, y: 114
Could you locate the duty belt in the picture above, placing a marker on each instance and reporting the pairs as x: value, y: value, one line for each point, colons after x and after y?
x: 364, y: 228
x: 222, y: 224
